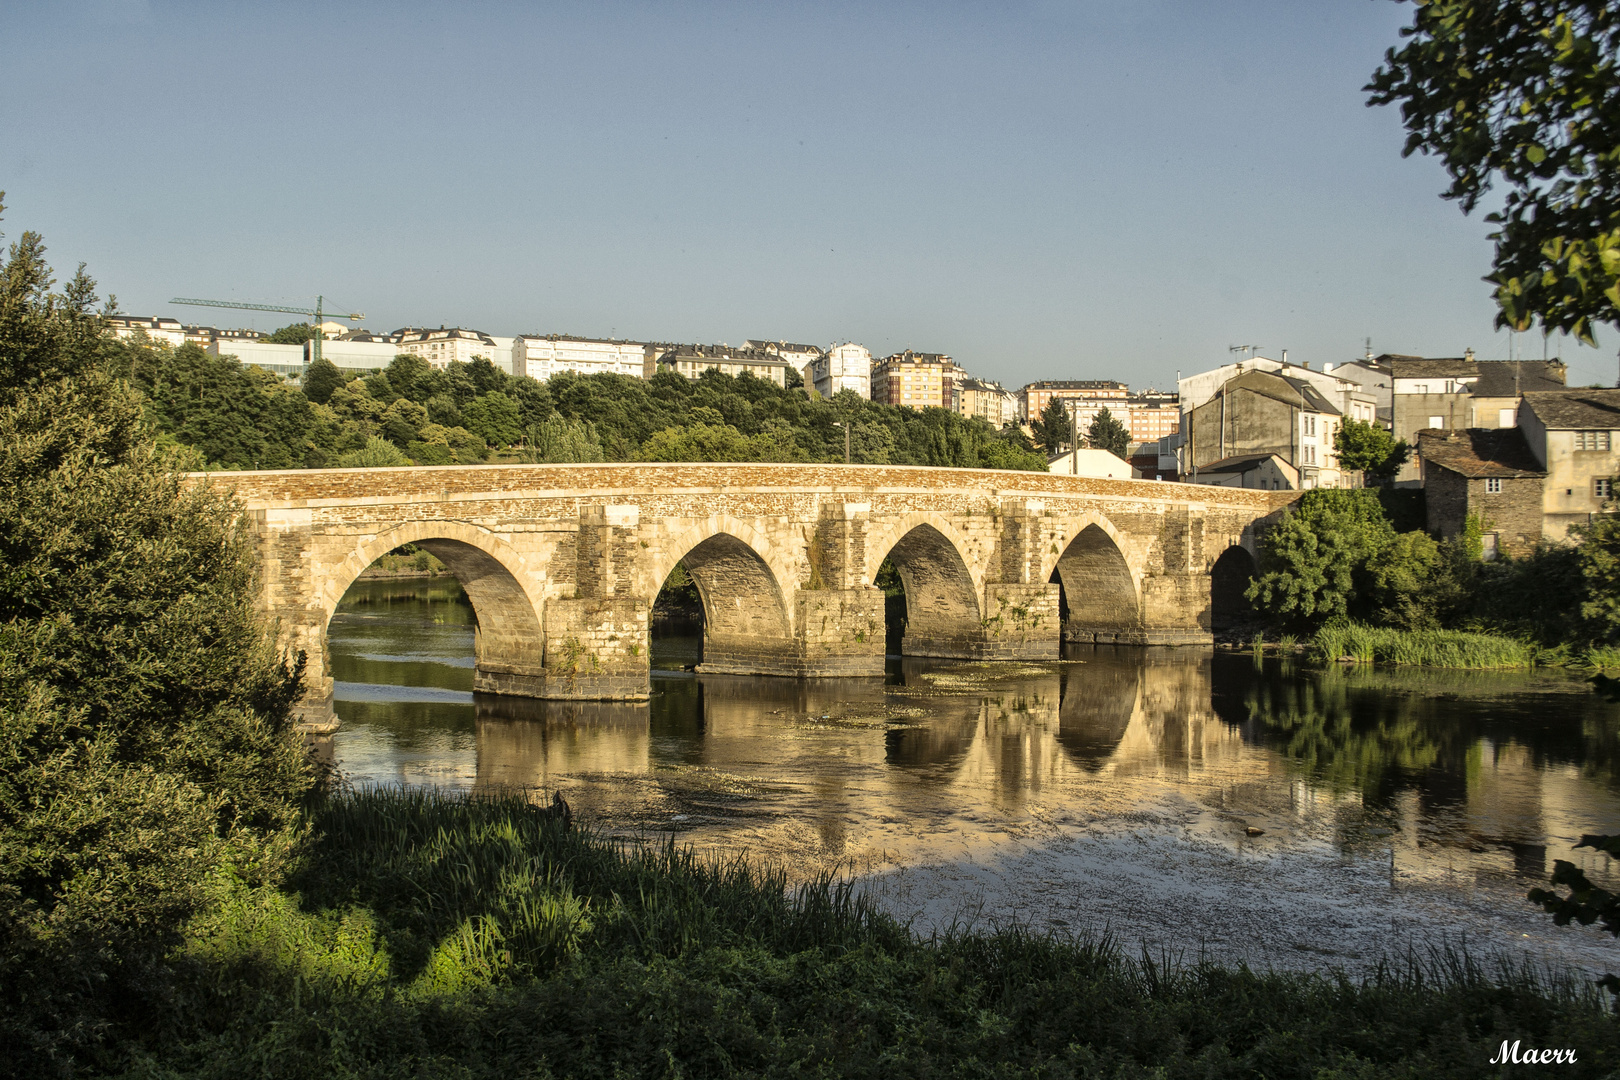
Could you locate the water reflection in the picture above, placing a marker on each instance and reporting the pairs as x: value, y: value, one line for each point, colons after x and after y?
x: 1456, y: 778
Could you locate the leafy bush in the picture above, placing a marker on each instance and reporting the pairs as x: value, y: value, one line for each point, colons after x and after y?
x: 144, y: 712
x: 1312, y: 559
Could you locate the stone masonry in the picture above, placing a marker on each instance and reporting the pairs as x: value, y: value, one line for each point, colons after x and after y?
x: 562, y: 562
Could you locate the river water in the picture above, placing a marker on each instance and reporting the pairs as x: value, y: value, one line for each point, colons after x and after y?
x: 1190, y: 801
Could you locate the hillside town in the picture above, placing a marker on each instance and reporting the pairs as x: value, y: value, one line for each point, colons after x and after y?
x: 1506, y: 440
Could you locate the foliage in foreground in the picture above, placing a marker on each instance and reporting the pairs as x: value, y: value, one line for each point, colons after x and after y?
x: 1586, y: 902
x: 443, y: 936
x: 144, y: 715
x: 1503, y: 90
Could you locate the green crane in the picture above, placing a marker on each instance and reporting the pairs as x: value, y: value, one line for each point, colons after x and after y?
x: 315, y: 311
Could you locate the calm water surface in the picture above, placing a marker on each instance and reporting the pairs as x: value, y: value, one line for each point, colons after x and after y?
x: 1260, y: 810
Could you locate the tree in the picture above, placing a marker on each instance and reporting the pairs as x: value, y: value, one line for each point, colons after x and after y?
x: 1373, y: 450
x: 294, y: 334
x: 320, y: 379
x: 145, y: 715
x: 1599, y: 557
x: 559, y: 440
x: 1311, y: 560
x: 1528, y: 93
x: 1054, y: 431
x: 1107, y: 433
x: 494, y: 416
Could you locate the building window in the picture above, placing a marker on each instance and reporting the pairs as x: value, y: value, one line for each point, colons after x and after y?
x: 1493, y: 486
x: 1603, y: 487
x: 1591, y: 440
x: 1506, y: 418
x: 1437, y: 421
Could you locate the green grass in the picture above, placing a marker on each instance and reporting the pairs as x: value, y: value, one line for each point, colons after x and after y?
x: 434, y: 936
x: 1420, y: 648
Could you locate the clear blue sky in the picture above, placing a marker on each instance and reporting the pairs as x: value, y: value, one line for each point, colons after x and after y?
x: 1053, y: 189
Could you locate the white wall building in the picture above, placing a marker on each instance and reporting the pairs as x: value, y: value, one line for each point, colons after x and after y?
x: 847, y: 366
x: 540, y: 356
x: 154, y: 327
x: 446, y: 346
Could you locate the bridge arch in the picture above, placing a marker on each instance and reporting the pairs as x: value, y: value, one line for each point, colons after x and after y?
x: 1101, y: 587
x: 505, y: 603
x: 1229, y: 577
x: 943, y: 586
x: 743, y: 601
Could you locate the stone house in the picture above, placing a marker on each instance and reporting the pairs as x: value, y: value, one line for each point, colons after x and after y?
x: 1260, y: 413
x: 1488, y: 472
x: 1573, y: 435
x: 1453, y: 393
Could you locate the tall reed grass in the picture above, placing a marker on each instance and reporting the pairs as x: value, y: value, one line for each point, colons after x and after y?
x: 1419, y: 648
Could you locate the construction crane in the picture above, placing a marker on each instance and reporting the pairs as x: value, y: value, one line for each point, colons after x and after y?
x: 315, y: 311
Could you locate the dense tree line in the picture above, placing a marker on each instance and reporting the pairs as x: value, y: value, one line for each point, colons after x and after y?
x: 240, y: 417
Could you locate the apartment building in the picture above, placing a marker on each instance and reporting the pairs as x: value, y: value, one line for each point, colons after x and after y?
x: 989, y: 401
x: 798, y: 357
x: 1093, y: 394
x: 918, y: 380
x: 845, y: 366
x: 159, y: 329
x: 447, y: 345
x: 540, y: 356
x: 693, y: 360
x: 1151, y: 415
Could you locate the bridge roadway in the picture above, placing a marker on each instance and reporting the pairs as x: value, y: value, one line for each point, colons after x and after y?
x: 562, y: 562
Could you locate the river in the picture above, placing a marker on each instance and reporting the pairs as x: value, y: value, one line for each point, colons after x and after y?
x: 1189, y: 801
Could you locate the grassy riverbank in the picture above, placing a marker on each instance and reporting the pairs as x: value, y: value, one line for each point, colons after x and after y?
x: 1466, y: 650
x: 436, y: 936
x: 1419, y: 648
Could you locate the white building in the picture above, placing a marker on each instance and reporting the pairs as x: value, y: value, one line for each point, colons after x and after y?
x: 353, y: 355
x: 446, y: 346
x: 847, y: 366
x: 157, y: 328
x: 798, y: 357
x: 1099, y: 464
x: 540, y: 356
x: 285, y: 360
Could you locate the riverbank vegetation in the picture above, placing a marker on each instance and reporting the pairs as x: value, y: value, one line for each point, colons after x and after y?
x: 224, y: 415
x: 1341, y: 572
x: 437, y: 935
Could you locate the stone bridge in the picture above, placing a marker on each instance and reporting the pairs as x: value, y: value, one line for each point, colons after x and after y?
x: 562, y: 562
